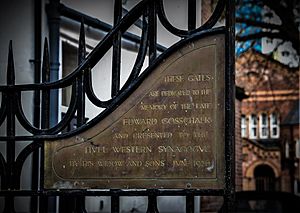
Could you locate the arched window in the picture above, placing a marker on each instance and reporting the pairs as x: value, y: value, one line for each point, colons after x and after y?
x: 264, y: 178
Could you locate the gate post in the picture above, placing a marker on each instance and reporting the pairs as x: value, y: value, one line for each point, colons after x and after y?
x: 230, y: 108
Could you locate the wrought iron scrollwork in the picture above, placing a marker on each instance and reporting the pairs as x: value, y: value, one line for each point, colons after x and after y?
x: 184, y: 33
x: 83, y: 84
x: 80, y: 80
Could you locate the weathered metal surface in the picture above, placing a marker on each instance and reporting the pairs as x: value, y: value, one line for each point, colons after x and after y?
x: 169, y: 133
x: 80, y: 80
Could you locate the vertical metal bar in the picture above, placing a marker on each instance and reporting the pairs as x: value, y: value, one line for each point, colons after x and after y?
x: 229, y: 107
x: 54, y: 24
x: 10, y: 123
x: 53, y: 16
x: 80, y: 204
x: 43, y: 207
x: 191, y: 14
x: 67, y: 204
x: 152, y: 202
x: 80, y: 200
x: 9, y: 204
x: 37, y: 60
x: 80, y: 79
x: 45, y: 93
x: 3, y: 172
x: 45, y: 118
x: 115, y: 201
x: 190, y: 203
x: 37, y: 99
x: 10, y: 131
x: 116, y: 60
x: 152, y: 31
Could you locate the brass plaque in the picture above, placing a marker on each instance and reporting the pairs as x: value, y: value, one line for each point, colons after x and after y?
x: 169, y: 133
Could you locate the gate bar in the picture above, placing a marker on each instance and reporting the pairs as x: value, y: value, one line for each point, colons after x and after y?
x: 116, y: 56
x: 229, y: 107
x: 192, y: 14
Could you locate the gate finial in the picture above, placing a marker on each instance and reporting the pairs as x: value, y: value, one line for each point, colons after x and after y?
x: 46, y: 63
x: 10, y: 66
x: 45, y: 93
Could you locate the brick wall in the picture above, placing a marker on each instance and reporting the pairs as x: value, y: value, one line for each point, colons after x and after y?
x: 238, y: 147
x: 272, y: 88
x: 206, y: 10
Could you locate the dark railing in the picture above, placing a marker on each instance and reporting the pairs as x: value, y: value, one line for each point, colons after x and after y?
x: 80, y: 80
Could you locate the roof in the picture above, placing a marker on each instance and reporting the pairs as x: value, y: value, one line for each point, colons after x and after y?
x: 260, y: 56
x: 258, y: 72
x: 293, y: 116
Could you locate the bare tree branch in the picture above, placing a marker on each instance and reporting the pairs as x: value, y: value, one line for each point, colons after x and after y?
x: 287, y: 29
x: 258, y: 35
x: 259, y: 24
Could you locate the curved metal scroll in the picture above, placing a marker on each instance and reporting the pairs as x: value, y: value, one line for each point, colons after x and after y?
x: 85, y: 67
x: 81, y: 81
x: 184, y: 33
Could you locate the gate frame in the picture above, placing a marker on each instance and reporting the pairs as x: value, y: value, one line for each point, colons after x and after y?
x: 11, y: 109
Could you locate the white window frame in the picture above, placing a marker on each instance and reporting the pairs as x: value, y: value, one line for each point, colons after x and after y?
x: 263, y: 125
x: 274, y: 126
x: 243, y: 126
x: 253, y: 126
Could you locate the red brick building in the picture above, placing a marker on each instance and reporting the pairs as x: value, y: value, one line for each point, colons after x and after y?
x: 269, y: 123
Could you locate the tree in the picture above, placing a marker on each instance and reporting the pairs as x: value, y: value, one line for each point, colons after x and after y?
x: 272, y: 19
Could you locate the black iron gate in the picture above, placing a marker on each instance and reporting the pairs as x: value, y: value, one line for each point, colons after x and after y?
x: 45, y: 92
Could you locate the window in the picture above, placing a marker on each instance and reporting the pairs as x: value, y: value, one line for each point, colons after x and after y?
x: 269, y: 41
x: 243, y: 126
x: 287, y: 150
x: 285, y: 53
x: 297, y: 148
x: 263, y: 126
x: 297, y: 187
x: 274, y: 127
x: 253, y: 126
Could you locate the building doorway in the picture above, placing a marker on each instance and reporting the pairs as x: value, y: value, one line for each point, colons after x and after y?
x: 264, y: 178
